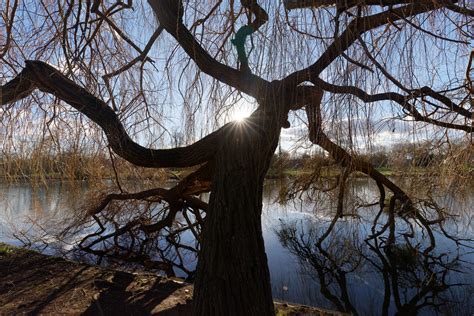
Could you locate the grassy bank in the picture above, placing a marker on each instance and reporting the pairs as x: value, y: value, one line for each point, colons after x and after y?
x: 328, y: 172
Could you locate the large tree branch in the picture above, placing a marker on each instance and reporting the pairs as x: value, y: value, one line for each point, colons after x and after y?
x: 400, y: 99
x: 169, y: 14
x: 344, y: 4
x: 421, y: 92
x: 261, y: 15
x: 195, y: 183
x: 39, y: 75
x: 354, y: 30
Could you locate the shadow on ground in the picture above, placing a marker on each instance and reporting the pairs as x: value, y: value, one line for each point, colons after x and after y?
x: 32, y: 283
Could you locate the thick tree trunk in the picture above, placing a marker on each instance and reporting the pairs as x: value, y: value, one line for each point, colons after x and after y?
x: 232, y: 274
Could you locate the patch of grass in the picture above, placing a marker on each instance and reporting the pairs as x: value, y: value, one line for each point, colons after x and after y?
x: 386, y: 171
x: 285, y: 309
x: 5, y: 250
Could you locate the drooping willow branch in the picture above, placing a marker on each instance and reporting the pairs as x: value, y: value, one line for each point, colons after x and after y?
x: 10, y: 20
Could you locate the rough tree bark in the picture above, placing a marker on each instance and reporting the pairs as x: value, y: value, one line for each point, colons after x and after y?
x: 232, y: 260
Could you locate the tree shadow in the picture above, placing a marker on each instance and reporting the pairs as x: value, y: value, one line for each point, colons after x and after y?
x: 32, y: 283
x: 122, y: 296
x: 68, y: 285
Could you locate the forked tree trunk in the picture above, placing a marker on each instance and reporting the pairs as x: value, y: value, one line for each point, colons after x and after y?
x: 232, y: 273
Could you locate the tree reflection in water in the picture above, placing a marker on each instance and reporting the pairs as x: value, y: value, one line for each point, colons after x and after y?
x: 399, y: 247
x: 409, y: 255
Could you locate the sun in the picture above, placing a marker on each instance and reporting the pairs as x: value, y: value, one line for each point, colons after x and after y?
x: 240, y: 115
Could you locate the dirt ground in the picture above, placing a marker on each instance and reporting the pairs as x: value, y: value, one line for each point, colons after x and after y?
x: 33, y: 283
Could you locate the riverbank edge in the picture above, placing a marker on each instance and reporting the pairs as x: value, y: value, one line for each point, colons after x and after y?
x: 176, y: 175
x: 35, y: 283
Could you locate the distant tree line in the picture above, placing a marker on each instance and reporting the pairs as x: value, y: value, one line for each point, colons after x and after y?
x: 399, y: 156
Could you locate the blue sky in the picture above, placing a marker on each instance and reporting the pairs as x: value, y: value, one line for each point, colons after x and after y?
x: 274, y: 56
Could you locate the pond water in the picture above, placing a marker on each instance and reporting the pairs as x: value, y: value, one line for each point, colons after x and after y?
x: 348, y: 271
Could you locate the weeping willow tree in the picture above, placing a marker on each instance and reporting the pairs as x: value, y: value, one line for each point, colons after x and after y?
x: 155, y: 83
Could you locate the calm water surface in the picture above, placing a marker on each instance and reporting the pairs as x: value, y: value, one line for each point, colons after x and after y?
x: 27, y: 210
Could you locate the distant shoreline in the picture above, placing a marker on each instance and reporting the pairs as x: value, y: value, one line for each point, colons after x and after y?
x: 176, y: 175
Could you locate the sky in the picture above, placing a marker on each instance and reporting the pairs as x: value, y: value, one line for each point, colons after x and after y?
x: 173, y: 102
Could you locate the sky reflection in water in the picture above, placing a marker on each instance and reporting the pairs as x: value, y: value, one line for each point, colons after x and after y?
x: 294, y: 274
